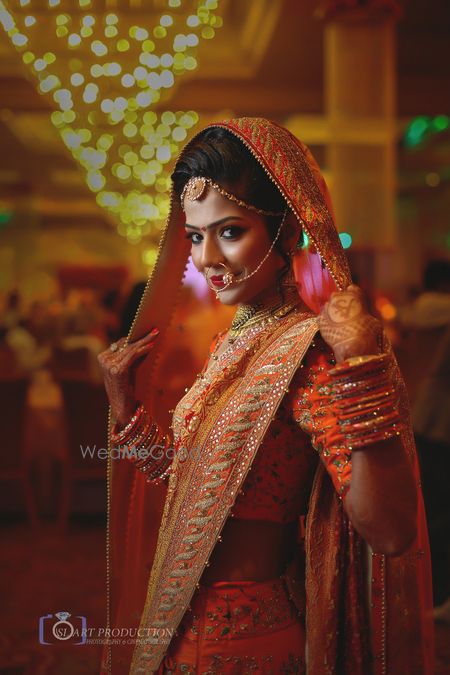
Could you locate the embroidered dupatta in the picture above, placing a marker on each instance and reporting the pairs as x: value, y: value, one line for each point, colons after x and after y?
x: 227, y: 426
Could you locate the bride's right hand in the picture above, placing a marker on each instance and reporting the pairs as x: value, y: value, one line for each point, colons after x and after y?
x: 119, y: 374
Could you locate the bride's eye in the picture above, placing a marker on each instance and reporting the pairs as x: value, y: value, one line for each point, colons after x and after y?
x: 191, y: 235
x: 233, y: 230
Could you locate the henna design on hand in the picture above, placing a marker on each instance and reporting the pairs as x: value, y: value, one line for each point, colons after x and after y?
x: 346, y: 325
x: 119, y: 374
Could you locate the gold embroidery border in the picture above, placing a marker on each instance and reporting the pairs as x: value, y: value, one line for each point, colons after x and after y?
x: 299, y: 336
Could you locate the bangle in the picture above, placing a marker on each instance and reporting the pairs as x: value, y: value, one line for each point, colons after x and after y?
x: 364, y: 400
x: 150, y: 444
x: 120, y: 436
x: 142, y: 433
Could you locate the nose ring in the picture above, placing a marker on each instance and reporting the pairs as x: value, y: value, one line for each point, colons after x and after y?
x: 227, y: 277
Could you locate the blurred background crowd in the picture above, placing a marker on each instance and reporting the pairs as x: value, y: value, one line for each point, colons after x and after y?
x: 96, y: 101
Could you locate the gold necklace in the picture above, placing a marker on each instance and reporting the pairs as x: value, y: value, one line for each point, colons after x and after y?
x: 271, y: 308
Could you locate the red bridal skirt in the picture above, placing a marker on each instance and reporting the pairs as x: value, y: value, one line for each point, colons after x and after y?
x: 239, y: 627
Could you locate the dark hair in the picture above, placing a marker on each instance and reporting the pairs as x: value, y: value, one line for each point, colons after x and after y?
x: 218, y: 154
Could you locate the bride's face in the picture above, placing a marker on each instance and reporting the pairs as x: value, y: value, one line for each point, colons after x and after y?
x: 223, y: 232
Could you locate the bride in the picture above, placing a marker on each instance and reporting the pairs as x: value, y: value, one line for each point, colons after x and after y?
x: 292, y: 537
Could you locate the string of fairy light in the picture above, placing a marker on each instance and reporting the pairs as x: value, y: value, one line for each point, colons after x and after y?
x: 108, y: 76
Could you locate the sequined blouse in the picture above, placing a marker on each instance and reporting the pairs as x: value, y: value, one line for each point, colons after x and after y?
x: 279, y: 482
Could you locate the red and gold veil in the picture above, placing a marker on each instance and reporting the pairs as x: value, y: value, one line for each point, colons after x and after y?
x: 364, y: 612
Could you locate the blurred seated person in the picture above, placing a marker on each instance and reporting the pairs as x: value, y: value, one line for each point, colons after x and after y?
x: 431, y: 308
x: 76, y: 337
x: 29, y: 355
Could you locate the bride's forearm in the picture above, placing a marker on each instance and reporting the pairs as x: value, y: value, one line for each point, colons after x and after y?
x: 382, y: 499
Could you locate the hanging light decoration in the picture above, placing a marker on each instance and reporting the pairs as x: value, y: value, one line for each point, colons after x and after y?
x: 104, y: 73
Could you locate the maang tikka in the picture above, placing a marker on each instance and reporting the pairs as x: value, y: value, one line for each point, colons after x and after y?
x: 196, y: 186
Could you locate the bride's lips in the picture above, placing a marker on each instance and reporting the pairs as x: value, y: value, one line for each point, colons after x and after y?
x: 217, y: 281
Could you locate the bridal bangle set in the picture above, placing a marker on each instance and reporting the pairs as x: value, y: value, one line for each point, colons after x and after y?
x: 142, y: 437
x: 364, y: 400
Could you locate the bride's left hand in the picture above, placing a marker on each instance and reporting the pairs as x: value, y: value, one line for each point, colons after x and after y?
x: 347, y: 327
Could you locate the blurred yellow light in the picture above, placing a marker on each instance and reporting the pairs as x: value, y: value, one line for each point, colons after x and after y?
x: 179, y: 43
x: 90, y: 93
x: 123, y: 172
x: 150, y: 117
x: 123, y: 45
x: 19, y: 40
x: 56, y: 118
x: 130, y: 130
x: 77, y: 79
x: 74, y: 40
x: 116, y: 116
x: 112, y: 69
x: 192, y: 40
x: 166, y: 60
x: 111, y: 31
x: 49, y: 83
x: 94, y: 96
x: 149, y: 256
x: 62, y: 19
x: 193, y: 21
x: 88, y: 20
x: 85, y: 135
x: 107, y: 105
x: 163, y: 153
x: 179, y: 134
x: 140, y: 73
x: 144, y: 99
x: 147, y: 152
x: 86, y: 31
x: 148, y: 46
x: 128, y: 80
x: 68, y: 116
x: 120, y: 103
x: 190, y: 63
x: 105, y: 142
x: 95, y: 180
x: 208, y: 32
x: 131, y: 158
x: 166, y: 20
x: 39, y: 65
x: 99, y: 48
x: 159, y: 32
x: 96, y: 70
x: 167, y: 79
x: 28, y: 57
x: 167, y: 118
x: 141, y: 34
